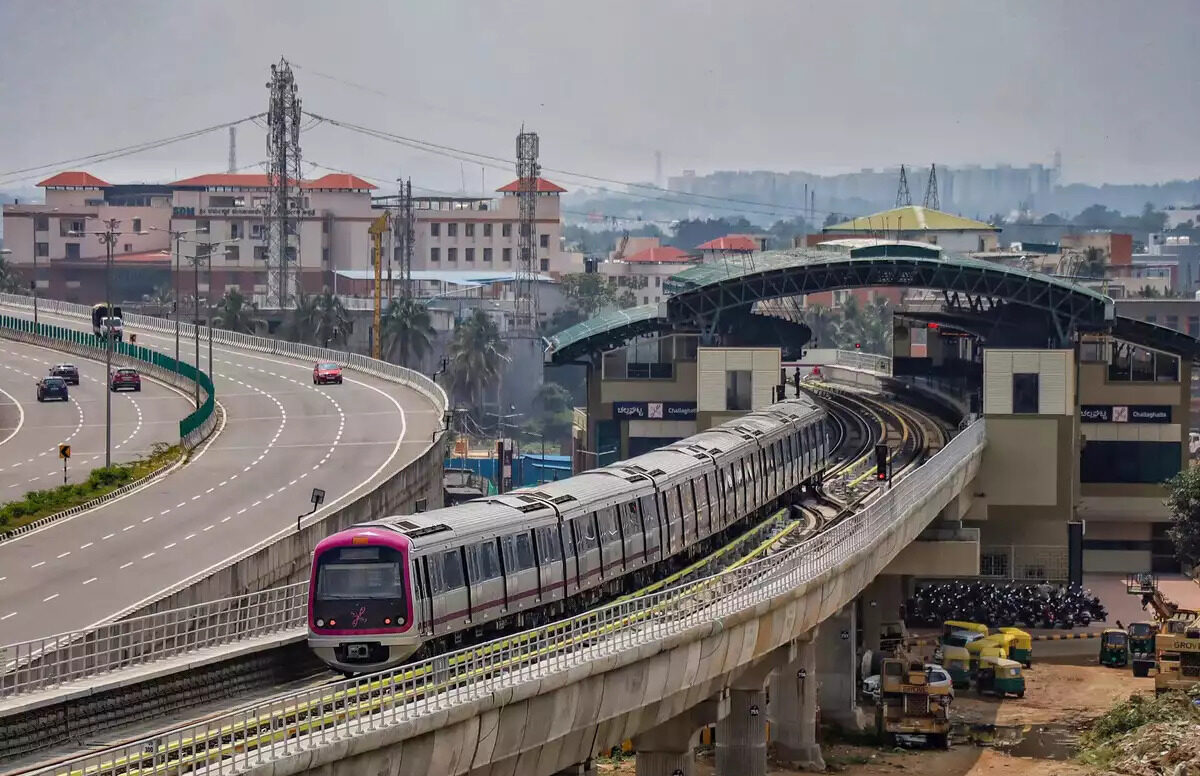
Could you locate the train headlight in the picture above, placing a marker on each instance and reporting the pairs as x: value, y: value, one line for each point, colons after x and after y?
x: 399, y: 620
x: 320, y: 623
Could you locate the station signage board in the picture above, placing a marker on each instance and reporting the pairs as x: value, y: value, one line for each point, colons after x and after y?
x: 654, y: 410
x: 1130, y: 413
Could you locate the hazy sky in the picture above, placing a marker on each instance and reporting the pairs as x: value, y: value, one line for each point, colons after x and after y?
x: 783, y: 84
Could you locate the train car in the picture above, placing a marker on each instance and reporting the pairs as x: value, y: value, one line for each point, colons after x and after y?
x: 381, y: 591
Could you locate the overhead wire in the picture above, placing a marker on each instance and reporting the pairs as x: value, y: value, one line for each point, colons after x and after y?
x: 7, y: 176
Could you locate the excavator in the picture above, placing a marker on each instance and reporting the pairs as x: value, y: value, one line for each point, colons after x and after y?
x: 1177, y: 642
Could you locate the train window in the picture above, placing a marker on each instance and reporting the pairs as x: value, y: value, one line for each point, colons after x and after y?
x: 487, y: 560
x: 524, y: 551
x: 451, y: 575
x: 608, y: 526
x: 585, y: 533
x: 548, y: 545
x: 630, y: 520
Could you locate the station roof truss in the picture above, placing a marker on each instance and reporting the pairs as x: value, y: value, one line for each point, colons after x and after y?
x: 702, y: 293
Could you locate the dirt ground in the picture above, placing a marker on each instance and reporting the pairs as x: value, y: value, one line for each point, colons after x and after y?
x: 1058, y: 695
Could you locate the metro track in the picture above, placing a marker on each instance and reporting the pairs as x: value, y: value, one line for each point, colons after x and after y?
x: 860, y: 421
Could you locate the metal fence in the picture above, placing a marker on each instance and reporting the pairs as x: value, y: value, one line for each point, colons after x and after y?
x: 1024, y: 562
x: 40, y: 664
x: 868, y: 362
x: 88, y: 343
x: 287, y: 725
x: 294, y: 350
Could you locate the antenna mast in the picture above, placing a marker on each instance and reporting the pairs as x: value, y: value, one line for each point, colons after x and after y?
x: 903, y: 198
x: 232, y: 150
x: 931, y: 192
x: 526, y: 286
x: 284, y: 204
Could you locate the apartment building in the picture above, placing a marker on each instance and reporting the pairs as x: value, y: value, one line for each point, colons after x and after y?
x: 480, y: 234
x: 645, y: 271
x: 55, y: 244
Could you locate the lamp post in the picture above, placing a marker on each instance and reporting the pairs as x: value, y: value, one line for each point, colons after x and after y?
x: 108, y: 238
x: 177, y: 236
x: 207, y: 248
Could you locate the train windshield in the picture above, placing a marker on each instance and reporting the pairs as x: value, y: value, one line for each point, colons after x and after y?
x: 360, y: 572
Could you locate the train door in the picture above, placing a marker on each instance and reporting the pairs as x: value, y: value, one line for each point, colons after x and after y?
x: 611, y: 548
x: 566, y: 533
x: 656, y: 537
x: 451, y: 595
x: 631, y: 534
x: 422, y: 603
x: 552, y: 572
x: 691, y: 518
x: 706, y: 491
x: 486, y: 580
x: 587, y: 549
x: 520, y: 571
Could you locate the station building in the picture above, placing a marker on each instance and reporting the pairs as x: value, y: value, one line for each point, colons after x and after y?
x: 1087, y: 410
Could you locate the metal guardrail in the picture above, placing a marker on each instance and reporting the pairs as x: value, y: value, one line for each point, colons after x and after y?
x: 287, y: 725
x: 116, y: 645
x: 294, y: 350
x: 88, y: 344
x: 868, y: 362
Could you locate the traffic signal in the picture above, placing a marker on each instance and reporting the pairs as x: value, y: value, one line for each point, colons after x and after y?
x: 858, y: 346
x: 881, y: 461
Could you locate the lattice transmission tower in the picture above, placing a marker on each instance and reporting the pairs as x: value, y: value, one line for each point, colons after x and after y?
x: 282, y: 209
x: 525, y: 310
x: 931, y: 193
x: 903, y: 198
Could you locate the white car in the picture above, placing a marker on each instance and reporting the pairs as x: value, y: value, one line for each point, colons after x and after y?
x: 934, y: 674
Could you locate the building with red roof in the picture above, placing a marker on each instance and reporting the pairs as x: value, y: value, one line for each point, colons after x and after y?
x: 643, y: 270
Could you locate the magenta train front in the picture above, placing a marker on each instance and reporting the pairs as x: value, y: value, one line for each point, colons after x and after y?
x: 360, y: 603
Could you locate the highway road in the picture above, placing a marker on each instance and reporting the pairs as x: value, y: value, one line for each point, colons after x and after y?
x: 282, y: 437
x: 30, y: 431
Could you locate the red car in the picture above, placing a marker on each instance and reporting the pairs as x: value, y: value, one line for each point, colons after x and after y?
x: 327, y: 373
x: 125, y: 379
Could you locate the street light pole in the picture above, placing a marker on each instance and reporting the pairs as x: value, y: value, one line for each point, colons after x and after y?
x: 109, y: 239
x: 175, y: 302
x: 33, y: 239
x: 196, y: 316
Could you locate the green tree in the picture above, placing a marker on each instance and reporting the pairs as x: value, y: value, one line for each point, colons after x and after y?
x: 10, y: 279
x: 476, y: 356
x: 589, y: 292
x: 562, y: 318
x: 1183, y: 500
x: 554, y: 419
x: 1093, y: 265
x: 301, y: 323
x: 407, y: 331
x: 234, y: 314
x: 627, y: 299
x: 824, y: 324
x: 333, y: 325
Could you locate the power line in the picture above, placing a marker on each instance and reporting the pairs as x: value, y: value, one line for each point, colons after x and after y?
x: 677, y: 197
x: 118, y: 153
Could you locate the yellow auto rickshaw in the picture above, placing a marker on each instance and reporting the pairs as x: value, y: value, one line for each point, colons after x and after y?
x: 957, y: 662
x: 992, y: 646
x: 957, y: 633
x: 998, y: 676
x: 1022, y: 646
x: 949, y: 626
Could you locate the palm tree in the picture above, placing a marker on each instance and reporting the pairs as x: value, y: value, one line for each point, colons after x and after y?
x: 476, y: 355
x: 301, y: 323
x: 333, y: 323
x: 823, y: 323
x: 406, y: 331
x: 234, y: 314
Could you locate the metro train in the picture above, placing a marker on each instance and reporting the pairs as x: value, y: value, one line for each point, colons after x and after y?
x: 381, y: 591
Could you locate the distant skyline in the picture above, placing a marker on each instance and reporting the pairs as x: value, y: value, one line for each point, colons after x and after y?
x: 820, y: 87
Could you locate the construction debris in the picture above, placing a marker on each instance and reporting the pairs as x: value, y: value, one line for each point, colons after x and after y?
x: 1147, y: 736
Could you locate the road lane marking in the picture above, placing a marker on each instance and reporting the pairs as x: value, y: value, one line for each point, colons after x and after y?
x: 90, y: 581
x: 127, y: 565
x: 49, y: 598
x: 39, y: 563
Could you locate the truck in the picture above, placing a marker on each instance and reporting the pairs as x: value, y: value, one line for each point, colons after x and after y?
x: 910, y: 704
x: 1178, y: 660
x: 103, y: 320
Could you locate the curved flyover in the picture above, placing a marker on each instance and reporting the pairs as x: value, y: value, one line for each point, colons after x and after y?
x: 282, y: 437
x: 30, y: 431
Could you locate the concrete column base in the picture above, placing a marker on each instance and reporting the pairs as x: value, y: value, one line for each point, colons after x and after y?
x: 742, y: 735
x: 794, y: 711
x: 665, y: 763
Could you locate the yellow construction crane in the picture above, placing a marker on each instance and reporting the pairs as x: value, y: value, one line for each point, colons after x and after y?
x: 379, y: 227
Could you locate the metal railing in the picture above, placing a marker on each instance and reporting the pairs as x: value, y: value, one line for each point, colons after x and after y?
x: 295, y: 350
x: 310, y: 719
x: 868, y: 362
x: 52, y: 661
x: 160, y: 365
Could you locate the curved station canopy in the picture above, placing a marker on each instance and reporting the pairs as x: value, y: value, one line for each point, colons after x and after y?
x: 700, y: 294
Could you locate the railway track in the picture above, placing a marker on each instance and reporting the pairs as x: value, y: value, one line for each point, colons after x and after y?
x: 198, y: 746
